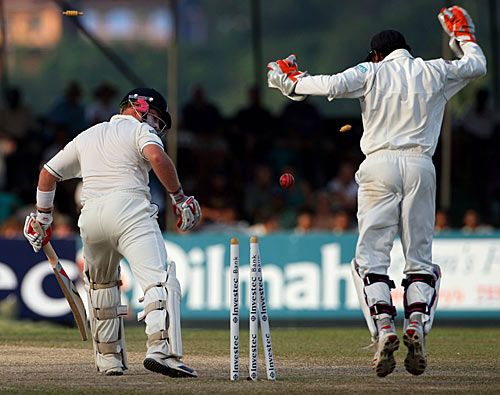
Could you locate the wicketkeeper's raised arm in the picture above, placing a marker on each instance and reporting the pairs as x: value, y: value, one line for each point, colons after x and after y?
x: 348, y: 84
x: 471, y: 64
x: 296, y: 85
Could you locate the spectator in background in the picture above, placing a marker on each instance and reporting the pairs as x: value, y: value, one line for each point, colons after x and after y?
x: 254, y: 118
x: 479, y: 122
x: 63, y: 226
x: 102, y: 107
x: 7, y: 147
x: 68, y: 112
x: 323, y: 216
x: 304, y: 221
x: 341, y: 222
x: 300, y: 194
x: 11, y: 228
x: 478, y: 127
x: 255, y: 127
x: 258, y: 194
x: 267, y: 223
x: 199, y: 115
x: 17, y: 129
x: 472, y: 223
x: 201, y: 125
x: 223, y: 219
x: 16, y: 118
x: 344, y: 188
x: 301, y: 119
x: 302, y: 123
x: 441, y: 222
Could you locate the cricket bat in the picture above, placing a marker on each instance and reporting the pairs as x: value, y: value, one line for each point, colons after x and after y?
x: 67, y: 286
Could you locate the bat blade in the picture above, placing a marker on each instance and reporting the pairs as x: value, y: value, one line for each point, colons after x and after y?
x: 69, y: 290
x: 73, y: 297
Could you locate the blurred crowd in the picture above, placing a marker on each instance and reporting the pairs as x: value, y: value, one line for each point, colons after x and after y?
x: 232, y: 164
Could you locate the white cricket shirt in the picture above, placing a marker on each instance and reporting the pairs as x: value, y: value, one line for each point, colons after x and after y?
x: 402, y: 98
x: 108, y: 157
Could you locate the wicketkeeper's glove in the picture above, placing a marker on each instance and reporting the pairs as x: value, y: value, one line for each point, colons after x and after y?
x: 187, y: 209
x: 37, y: 240
x: 283, y: 75
x: 457, y: 23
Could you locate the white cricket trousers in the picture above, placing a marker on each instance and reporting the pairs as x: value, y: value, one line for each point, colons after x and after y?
x: 122, y: 224
x: 396, y: 195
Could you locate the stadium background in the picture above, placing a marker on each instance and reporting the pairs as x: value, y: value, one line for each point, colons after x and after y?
x: 234, y: 137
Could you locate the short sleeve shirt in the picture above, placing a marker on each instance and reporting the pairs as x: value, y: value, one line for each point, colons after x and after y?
x: 108, y: 157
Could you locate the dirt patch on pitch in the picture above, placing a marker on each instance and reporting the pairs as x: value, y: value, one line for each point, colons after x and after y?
x: 61, y: 370
x: 25, y: 369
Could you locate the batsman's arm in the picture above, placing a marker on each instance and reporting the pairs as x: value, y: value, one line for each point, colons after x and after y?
x: 185, y: 207
x: 162, y: 166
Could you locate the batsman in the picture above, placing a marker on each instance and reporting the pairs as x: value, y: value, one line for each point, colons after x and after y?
x: 402, y: 103
x: 118, y: 220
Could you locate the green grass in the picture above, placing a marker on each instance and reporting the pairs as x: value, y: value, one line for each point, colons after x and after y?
x: 44, y: 358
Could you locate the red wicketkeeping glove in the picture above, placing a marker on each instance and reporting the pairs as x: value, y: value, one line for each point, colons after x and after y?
x: 289, y: 67
x: 457, y: 23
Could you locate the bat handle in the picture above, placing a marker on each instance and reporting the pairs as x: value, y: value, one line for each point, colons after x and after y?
x: 38, y: 228
x: 47, y: 248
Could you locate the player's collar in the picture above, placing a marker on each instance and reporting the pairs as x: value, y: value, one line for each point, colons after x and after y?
x: 398, y: 53
x: 117, y: 117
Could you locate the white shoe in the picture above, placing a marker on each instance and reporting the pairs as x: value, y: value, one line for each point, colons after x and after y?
x: 383, y: 362
x: 414, y: 339
x: 114, y: 372
x: 171, y: 367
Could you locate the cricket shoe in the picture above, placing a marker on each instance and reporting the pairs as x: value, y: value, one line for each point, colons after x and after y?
x: 171, y: 367
x: 383, y: 362
x: 114, y: 372
x: 414, y: 339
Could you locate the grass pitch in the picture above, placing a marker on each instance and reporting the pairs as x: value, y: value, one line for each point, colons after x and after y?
x: 42, y: 358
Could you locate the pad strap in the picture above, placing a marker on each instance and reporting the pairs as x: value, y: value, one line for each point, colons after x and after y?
x: 160, y: 335
x: 108, y: 313
x: 112, y: 284
x: 382, y: 308
x: 418, y: 307
x: 156, y: 305
x: 159, y: 284
x: 424, y: 278
x: 372, y: 278
x: 109, y: 348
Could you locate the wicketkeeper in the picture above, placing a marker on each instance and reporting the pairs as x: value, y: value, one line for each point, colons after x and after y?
x: 402, y: 102
x: 118, y: 220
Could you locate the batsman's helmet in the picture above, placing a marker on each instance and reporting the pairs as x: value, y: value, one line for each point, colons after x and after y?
x: 153, y: 99
x: 385, y: 42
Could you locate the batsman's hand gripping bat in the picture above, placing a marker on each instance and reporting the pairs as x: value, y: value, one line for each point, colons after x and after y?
x: 67, y: 286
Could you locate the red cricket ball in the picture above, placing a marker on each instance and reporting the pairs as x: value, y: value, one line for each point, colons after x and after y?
x: 286, y: 180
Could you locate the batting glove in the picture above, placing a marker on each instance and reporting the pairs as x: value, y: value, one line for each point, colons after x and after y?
x: 187, y: 210
x: 36, y: 239
x: 283, y: 75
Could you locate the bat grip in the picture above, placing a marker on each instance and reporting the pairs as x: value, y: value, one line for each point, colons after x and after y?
x: 47, y: 248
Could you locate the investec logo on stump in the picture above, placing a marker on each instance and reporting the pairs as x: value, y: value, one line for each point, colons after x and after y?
x: 235, y: 312
x: 302, y: 285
